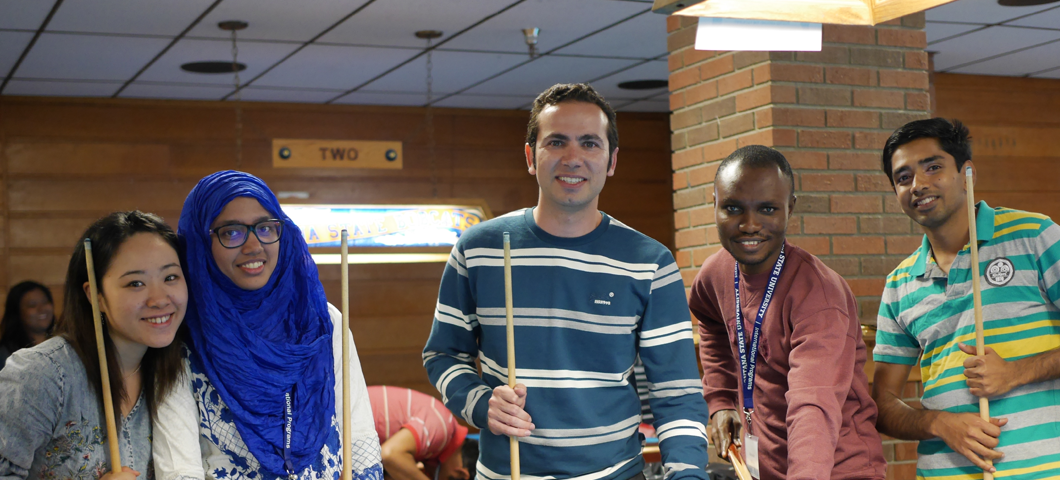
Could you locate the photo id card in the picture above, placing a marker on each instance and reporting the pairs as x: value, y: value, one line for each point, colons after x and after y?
x: 751, y: 456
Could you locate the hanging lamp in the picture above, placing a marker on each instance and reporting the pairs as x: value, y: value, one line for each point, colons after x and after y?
x: 841, y: 12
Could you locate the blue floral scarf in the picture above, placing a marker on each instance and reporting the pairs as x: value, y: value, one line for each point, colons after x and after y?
x: 259, y: 347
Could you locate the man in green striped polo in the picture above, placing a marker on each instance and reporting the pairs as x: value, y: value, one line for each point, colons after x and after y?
x: 926, y: 312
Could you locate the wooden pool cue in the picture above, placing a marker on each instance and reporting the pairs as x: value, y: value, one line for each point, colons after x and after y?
x: 511, y: 341
x: 347, y: 461
x: 108, y: 400
x: 977, y: 297
x: 737, y: 463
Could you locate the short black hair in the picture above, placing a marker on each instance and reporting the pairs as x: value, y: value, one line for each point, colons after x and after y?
x: 572, y: 92
x: 758, y: 156
x: 469, y: 450
x: 952, y: 136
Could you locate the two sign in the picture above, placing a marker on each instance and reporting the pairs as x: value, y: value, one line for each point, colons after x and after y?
x: 298, y: 153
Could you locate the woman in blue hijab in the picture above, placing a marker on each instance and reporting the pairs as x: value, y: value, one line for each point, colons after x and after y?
x: 264, y: 351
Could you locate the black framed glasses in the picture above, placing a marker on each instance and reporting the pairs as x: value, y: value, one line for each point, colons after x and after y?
x: 234, y: 235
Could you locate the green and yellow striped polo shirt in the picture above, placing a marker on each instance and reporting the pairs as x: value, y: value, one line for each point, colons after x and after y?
x: 924, y: 313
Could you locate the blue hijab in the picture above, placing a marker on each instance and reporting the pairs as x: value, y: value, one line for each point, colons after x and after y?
x: 258, y: 346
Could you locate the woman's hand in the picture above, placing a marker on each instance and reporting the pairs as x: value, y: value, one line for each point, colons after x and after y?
x: 126, y: 474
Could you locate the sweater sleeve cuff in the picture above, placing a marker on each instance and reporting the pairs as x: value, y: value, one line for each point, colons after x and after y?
x: 480, y: 414
x: 720, y: 402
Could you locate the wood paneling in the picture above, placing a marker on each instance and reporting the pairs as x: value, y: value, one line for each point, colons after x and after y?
x: 1014, y: 124
x: 65, y: 162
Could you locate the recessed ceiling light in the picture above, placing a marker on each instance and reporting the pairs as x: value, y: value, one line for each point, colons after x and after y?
x: 643, y: 84
x: 212, y: 67
x: 1024, y: 3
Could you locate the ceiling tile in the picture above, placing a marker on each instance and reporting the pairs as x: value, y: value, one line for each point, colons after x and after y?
x: 654, y: 70
x: 88, y: 57
x: 24, y: 14
x: 451, y: 71
x: 257, y: 94
x: 257, y: 56
x: 986, y: 43
x: 127, y: 16
x: 496, y: 102
x: 52, y: 88
x: 643, y: 36
x: 11, y: 46
x: 382, y: 98
x: 979, y: 11
x: 174, y: 92
x: 939, y: 31
x: 1049, y: 74
x: 1019, y: 63
x: 646, y: 106
x: 560, y: 21
x: 536, y: 76
x: 276, y: 19
x: 390, y: 23
x: 329, y: 66
x: 1046, y: 19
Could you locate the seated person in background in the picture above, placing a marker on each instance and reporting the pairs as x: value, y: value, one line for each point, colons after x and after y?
x: 52, y: 423
x: 28, y: 318
x: 415, y: 427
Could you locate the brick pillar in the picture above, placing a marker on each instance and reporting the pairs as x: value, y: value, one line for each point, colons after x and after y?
x: 829, y: 112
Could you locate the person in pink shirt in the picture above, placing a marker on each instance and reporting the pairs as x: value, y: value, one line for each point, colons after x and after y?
x: 790, y: 361
x: 415, y: 427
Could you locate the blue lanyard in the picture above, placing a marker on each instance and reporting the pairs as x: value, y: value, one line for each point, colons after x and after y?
x: 749, y: 357
x: 287, y: 427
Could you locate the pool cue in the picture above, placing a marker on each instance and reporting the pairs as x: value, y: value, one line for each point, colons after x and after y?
x: 977, y: 297
x: 108, y: 400
x: 737, y: 463
x: 511, y: 342
x: 347, y: 461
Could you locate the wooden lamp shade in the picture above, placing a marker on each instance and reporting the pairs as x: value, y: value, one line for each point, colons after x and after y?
x: 842, y: 12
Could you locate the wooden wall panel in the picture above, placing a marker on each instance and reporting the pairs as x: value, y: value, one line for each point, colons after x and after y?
x: 65, y: 162
x: 1014, y: 124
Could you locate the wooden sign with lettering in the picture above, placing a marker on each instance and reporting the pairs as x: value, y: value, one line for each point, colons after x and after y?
x: 301, y: 153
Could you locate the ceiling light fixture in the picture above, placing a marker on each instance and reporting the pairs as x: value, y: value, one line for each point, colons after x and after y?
x: 428, y: 120
x: 843, y: 12
x: 1024, y: 3
x: 643, y: 84
x: 212, y: 67
x: 531, y: 40
x: 235, y: 26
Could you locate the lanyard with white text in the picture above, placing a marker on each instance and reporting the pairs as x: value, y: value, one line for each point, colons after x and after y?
x: 749, y: 357
x: 287, y: 427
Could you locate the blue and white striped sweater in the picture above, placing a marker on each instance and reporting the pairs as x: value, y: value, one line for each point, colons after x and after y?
x: 584, y: 307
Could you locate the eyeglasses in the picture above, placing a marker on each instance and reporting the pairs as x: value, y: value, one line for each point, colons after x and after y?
x: 234, y: 235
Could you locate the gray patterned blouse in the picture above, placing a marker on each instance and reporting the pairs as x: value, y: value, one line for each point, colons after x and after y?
x: 51, y: 425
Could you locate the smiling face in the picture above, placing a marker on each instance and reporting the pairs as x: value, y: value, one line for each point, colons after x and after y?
x: 143, y: 293
x: 929, y: 185
x: 570, y: 159
x: 251, y: 265
x: 36, y: 311
x: 751, y: 209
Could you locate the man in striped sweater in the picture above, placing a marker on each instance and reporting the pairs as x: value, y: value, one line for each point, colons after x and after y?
x: 590, y: 293
x: 926, y: 312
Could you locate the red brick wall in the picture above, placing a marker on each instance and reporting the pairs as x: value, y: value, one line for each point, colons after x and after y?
x: 829, y: 112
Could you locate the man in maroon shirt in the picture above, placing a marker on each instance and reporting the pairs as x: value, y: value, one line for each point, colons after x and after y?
x: 809, y: 407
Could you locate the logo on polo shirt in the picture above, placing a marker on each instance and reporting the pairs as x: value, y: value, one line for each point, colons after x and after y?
x: 999, y: 272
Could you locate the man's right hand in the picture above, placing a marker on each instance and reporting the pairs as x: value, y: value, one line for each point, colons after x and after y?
x: 727, y: 429
x: 970, y: 436
x: 506, y: 414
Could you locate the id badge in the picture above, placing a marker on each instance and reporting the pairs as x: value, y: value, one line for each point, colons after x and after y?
x: 751, y: 456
